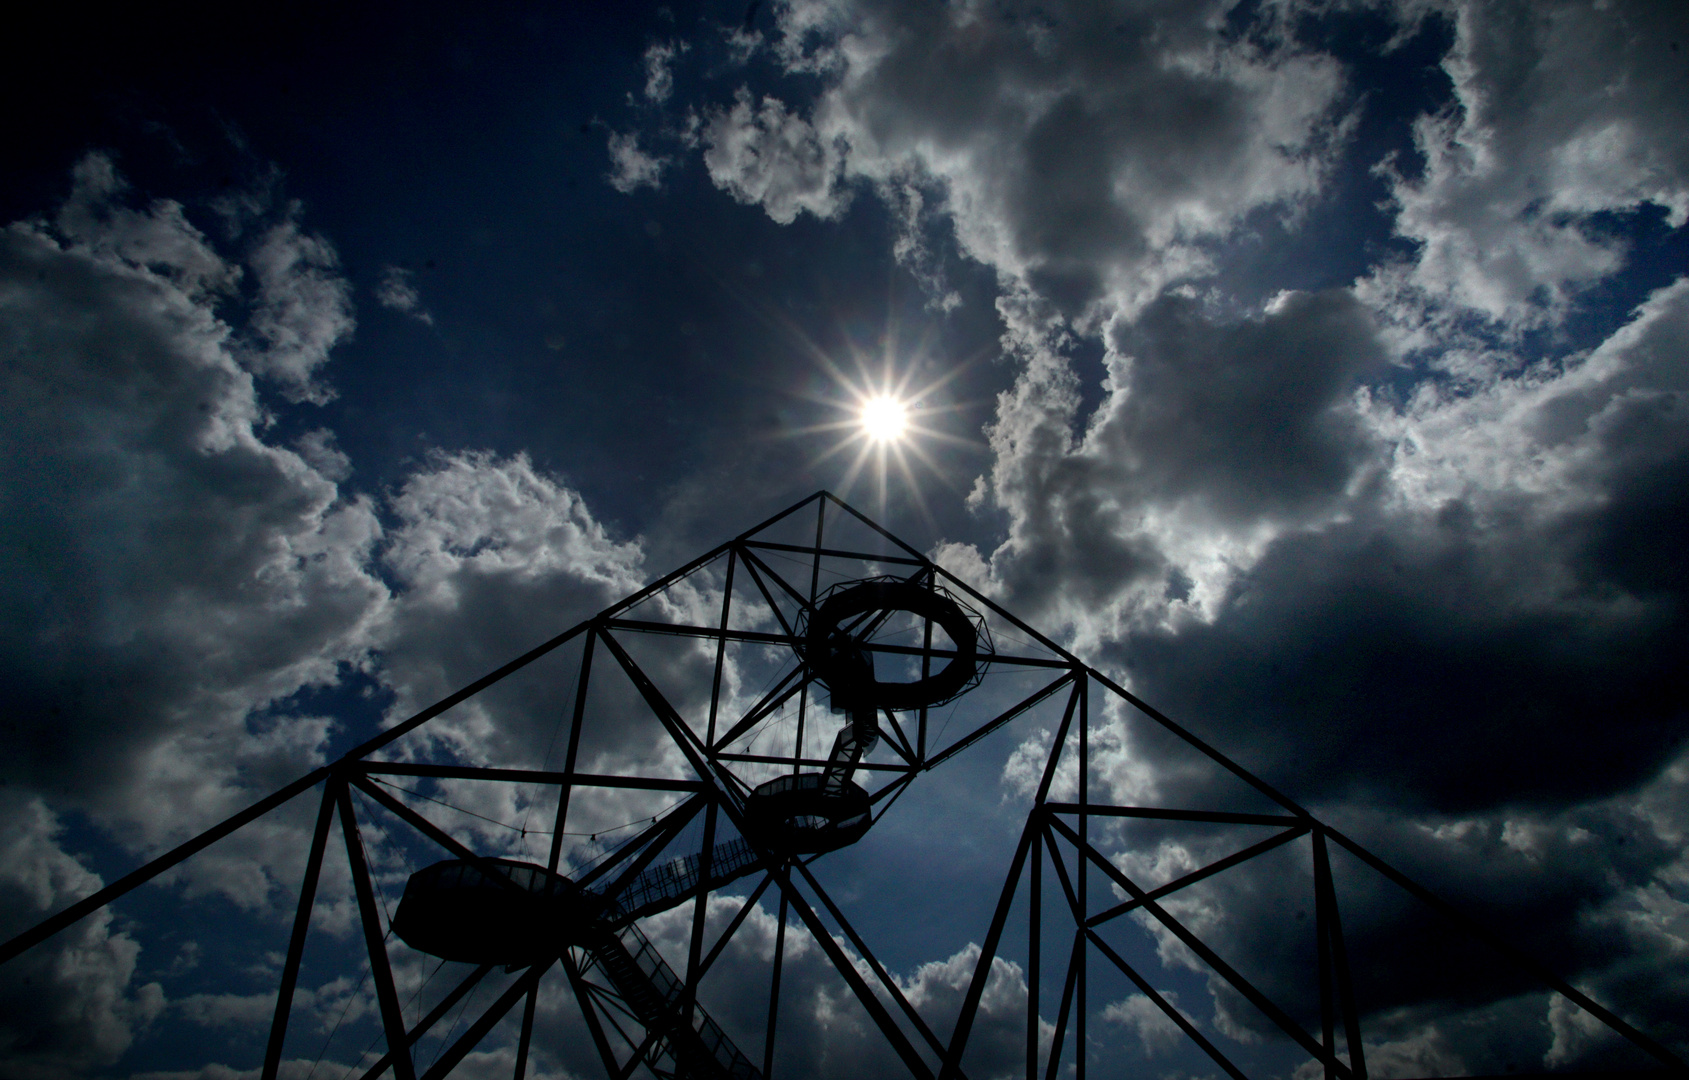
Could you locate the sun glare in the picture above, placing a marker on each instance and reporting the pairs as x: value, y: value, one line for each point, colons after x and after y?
x: 889, y: 409
x: 884, y: 419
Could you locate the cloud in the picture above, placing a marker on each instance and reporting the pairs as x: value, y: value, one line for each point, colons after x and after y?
x: 1560, y: 113
x: 632, y: 168
x: 1424, y: 1053
x: 1504, y: 571
x: 1210, y: 437
x: 397, y: 292
x: 659, y: 71
x: 1085, y: 153
x: 763, y: 154
x: 171, y: 573
x: 174, y: 571
x: 302, y: 310
x: 177, y: 577
x: 69, y: 1005
x: 1154, y: 1029
x: 481, y: 548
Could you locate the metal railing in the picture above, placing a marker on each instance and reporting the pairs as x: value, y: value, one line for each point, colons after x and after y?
x: 662, y: 887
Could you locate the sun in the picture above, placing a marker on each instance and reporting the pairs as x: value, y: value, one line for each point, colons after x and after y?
x: 890, y: 409
x: 885, y: 419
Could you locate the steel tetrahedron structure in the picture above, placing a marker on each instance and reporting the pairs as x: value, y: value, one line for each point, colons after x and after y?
x: 737, y: 724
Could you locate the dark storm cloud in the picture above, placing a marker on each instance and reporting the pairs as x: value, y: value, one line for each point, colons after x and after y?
x: 1249, y: 417
x: 1451, y: 645
x: 1366, y: 659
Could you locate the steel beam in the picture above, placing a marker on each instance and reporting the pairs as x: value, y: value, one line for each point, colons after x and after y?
x: 381, y: 972
x: 987, y: 953
x: 470, y: 981
x: 301, y: 926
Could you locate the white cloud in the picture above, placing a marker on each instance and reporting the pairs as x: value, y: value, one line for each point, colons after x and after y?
x: 765, y: 154
x: 1425, y: 1052
x: 1155, y: 1030
x: 1211, y: 437
x: 397, y: 292
x: 1562, y: 111
x: 302, y: 310
x: 173, y: 571
x: 492, y: 556
x: 68, y: 1005
x: 632, y: 168
x: 1087, y: 153
x: 659, y: 69
x: 177, y: 570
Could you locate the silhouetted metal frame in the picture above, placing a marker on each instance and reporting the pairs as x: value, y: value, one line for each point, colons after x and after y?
x: 718, y: 792
x: 469, y: 982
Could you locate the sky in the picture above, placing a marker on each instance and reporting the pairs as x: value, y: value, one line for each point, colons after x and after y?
x: 1318, y: 370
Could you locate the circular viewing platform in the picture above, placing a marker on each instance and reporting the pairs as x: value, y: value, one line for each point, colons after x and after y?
x: 492, y: 911
x: 795, y: 815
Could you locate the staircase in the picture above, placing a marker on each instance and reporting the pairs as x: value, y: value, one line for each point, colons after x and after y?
x: 670, y: 884
x: 652, y: 990
x: 693, y: 1047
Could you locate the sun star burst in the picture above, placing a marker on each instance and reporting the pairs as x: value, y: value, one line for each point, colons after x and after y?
x: 885, y: 419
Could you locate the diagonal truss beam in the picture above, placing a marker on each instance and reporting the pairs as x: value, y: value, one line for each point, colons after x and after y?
x: 1209, y: 956
x: 1518, y: 956
x: 301, y: 926
x: 471, y: 1038
x: 874, y: 965
x: 1260, y: 848
x: 381, y: 972
x: 470, y: 981
x: 1165, y: 1006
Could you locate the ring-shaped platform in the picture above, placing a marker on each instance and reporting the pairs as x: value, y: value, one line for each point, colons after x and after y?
x: 796, y: 815
x: 836, y: 667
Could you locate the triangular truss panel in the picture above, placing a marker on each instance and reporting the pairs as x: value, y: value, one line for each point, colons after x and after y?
x: 756, y: 725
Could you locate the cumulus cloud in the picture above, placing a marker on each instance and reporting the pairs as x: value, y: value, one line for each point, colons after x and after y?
x: 1086, y: 152
x: 174, y: 570
x: 1506, y: 566
x: 1560, y: 113
x: 485, y: 550
x: 69, y: 1006
x: 763, y: 154
x: 1211, y: 434
x: 177, y: 577
x: 1154, y: 1029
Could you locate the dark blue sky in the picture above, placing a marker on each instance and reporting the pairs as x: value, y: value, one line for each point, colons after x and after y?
x: 1316, y: 370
